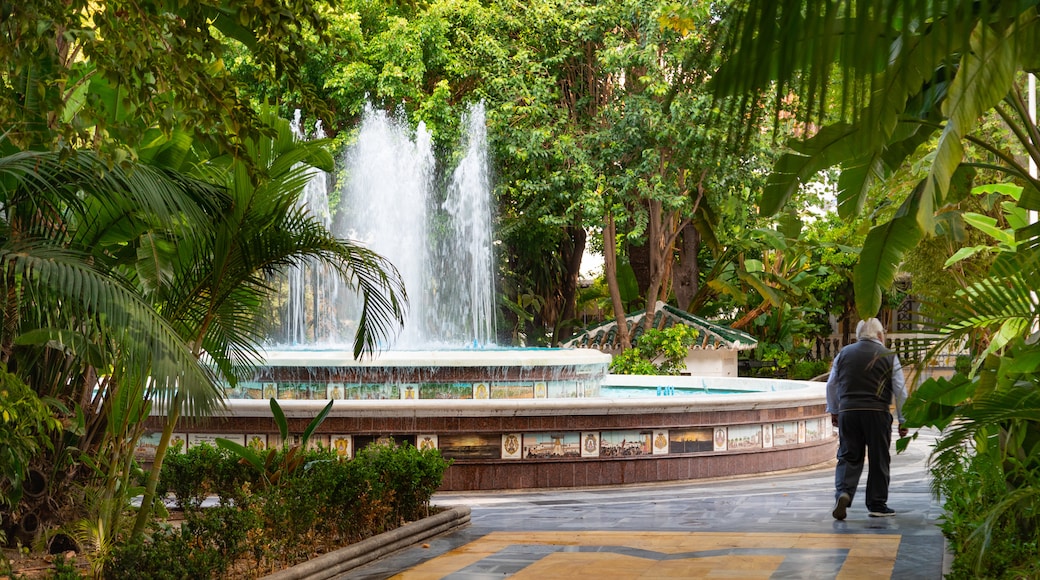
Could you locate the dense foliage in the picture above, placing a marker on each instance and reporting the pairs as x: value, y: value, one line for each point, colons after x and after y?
x: 259, y: 528
x: 147, y: 187
x: 657, y: 352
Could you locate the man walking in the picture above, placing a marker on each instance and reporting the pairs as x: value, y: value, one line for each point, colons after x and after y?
x: 865, y: 378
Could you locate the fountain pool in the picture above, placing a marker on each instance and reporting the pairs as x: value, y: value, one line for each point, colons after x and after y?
x: 535, y: 418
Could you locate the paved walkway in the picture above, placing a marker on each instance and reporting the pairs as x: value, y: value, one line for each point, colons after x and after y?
x: 770, y: 526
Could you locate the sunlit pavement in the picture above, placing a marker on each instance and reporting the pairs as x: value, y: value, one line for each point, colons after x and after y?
x: 769, y: 526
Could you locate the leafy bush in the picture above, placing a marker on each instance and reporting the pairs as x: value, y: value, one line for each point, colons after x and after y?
x: 986, y: 466
x: 169, y: 554
x: 973, y: 485
x: 320, y: 504
x: 657, y: 352
x: 26, y: 422
x: 200, y: 471
x: 807, y: 369
x: 413, y: 475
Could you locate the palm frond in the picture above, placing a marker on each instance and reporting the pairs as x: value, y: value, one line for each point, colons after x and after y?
x: 42, y: 270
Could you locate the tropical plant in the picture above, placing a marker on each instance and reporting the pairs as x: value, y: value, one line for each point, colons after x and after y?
x: 657, y: 352
x: 93, y: 81
x: 26, y: 423
x: 74, y: 328
x: 213, y: 288
x: 920, y: 73
x: 273, y: 463
x: 990, y: 416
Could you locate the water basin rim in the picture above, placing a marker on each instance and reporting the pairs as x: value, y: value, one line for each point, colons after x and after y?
x: 815, y: 394
x: 439, y: 358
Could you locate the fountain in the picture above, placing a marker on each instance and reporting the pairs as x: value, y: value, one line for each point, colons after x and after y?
x: 509, y: 418
x: 441, y: 242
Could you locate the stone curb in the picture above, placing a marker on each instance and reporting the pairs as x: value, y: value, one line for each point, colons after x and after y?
x: 369, y: 549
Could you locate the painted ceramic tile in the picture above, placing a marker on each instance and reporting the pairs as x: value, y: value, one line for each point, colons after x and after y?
x: 270, y: 391
x: 660, y: 442
x: 540, y: 390
x: 545, y: 445
x: 232, y: 392
x: 372, y: 392
x: 767, y: 435
x: 720, y: 440
x: 147, y: 445
x: 334, y: 391
x: 512, y: 391
x: 257, y: 441
x: 512, y: 448
x: 590, y: 444
x: 446, y: 391
x: 410, y: 391
x: 210, y: 438
x: 252, y: 390
x: 801, y: 431
x: 179, y: 441
x: 625, y: 443
x: 691, y: 440
x: 481, y: 391
x: 744, y: 437
x: 318, y: 441
x: 319, y: 391
x: 815, y: 429
x: 470, y: 446
x: 343, y: 445
x: 294, y: 391
x: 563, y: 390
x: 426, y: 442
x: 785, y: 433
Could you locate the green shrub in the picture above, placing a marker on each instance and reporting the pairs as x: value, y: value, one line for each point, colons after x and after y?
x: 807, y: 369
x: 201, y: 471
x: 657, y: 352
x: 320, y: 504
x: 413, y: 475
x: 64, y: 570
x: 971, y: 488
x: 167, y: 555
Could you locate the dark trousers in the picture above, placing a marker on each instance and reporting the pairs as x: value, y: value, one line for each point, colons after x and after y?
x: 864, y: 434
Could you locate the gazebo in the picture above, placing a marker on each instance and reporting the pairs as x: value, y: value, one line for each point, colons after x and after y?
x: 714, y: 354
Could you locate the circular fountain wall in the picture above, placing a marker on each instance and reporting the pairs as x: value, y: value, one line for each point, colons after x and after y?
x: 539, y: 422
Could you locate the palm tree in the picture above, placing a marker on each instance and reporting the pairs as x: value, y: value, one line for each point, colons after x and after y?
x: 214, y: 288
x: 74, y: 328
x: 990, y: 418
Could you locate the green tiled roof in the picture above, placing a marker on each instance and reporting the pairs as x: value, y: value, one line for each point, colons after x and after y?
x: 711, y: 336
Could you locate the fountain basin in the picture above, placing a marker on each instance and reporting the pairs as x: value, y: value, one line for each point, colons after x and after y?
x: 443, y: 374
x: 533, y: 443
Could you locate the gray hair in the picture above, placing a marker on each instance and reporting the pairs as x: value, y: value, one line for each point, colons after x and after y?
x: 870, y: 328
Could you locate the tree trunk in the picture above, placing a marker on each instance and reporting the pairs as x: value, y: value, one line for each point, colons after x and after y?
x: 657, y: 246
x: 144, y: 514
x: 686, y: 272
x: 639, y: 259
x: 662, y: 233
x: 572, y: 250
x: 610, y: 272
